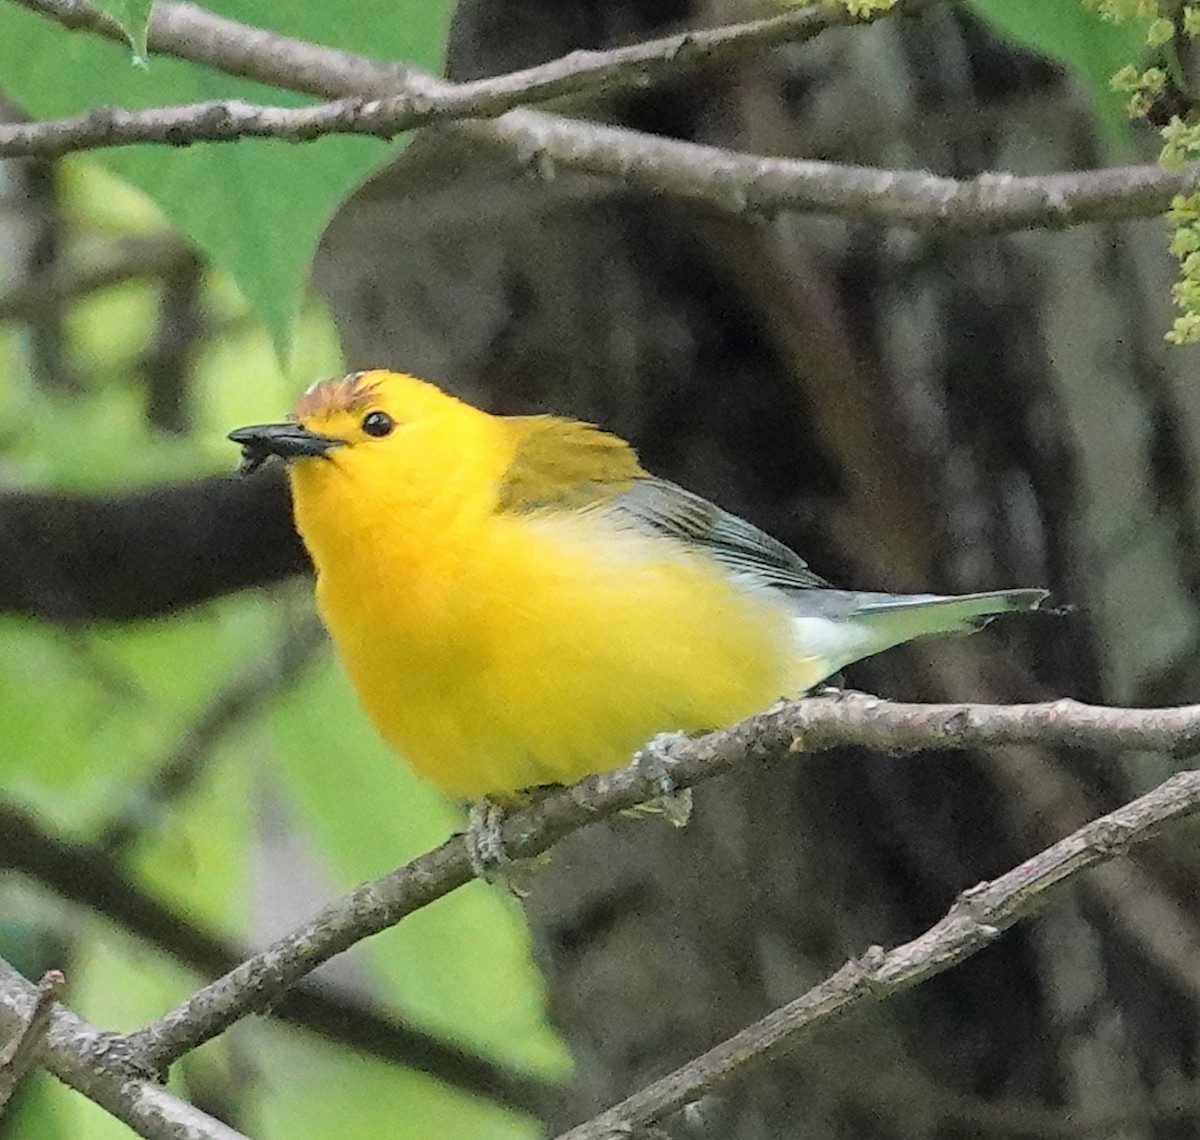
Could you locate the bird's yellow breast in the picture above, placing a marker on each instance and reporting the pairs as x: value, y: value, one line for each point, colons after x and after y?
x: 517, y: 602
x: 499, y: 651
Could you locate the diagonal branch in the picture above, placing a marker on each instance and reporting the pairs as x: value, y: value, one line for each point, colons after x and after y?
x: 190, y: 32
x: 383, y: 99
x: 87, y: 1059
x: 802, y: 726
x: 976, y: 919
x: 252, y: 686
x: 581, y: 73
x: 87, y: 874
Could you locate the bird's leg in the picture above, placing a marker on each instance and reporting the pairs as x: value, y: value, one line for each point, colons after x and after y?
x: 826, y: 692
x: 485, y: 840
x: 654, y: 762
x: 484, y: 836
x: 834, y: 690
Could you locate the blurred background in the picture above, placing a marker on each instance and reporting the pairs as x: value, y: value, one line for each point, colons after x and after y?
x: 184, y: 772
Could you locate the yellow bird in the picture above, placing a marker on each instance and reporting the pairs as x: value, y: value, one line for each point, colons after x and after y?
x: 518, y: 602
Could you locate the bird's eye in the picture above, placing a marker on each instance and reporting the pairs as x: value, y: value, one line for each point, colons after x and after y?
x: 378, y: 424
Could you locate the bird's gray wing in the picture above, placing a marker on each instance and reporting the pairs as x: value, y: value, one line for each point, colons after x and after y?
x: 664, y: 508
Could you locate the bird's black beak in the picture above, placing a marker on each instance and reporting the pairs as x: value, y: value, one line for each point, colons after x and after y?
x: 289, y: 441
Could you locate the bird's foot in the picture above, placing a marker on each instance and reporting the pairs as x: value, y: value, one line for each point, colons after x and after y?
x: 654, y: 762
x: 484, y: 836
x: 834, y: 692
x: 485, y: 841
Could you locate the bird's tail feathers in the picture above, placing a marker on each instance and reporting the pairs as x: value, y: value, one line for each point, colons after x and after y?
x: 841, y: 627
x: 975, y: 610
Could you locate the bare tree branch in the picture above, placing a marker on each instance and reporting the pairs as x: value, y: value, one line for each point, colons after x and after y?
x: 1138, y: 901
x: 194, y: 33
x: 976, y: 919
x: 89, y: 1060
x: 74, y: 558
x: 190, y: 32
x: 726, y: 180
x: 86, y: 874
x: 581, y: 73
x: 383, y: 99
x: 800, y: 726
x: 744, y: 184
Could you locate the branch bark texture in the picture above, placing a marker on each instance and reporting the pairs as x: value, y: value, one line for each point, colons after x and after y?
x: 579, y: 74
x: 386, y: 99
x: 87, y: 874
x: 20, y: 1054
x: 800, y: 726
x: 89, y: 1060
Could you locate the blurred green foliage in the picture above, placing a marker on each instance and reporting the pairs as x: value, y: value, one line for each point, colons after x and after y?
x: 257, y: 208
x: 89, y: 715
x: 1064, y: 30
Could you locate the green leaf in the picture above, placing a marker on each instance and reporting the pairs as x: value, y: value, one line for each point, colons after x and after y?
x: 134, y: 18
x: 258, y: 207
x: 1065, y: 31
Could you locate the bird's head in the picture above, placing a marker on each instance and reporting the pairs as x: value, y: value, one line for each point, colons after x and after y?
x: 338, y: 418
x: 380, y: 451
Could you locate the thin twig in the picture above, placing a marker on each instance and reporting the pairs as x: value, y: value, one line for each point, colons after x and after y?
x: 581, y: 73
x: 193, y: 33
x: 19, y: 1055
x: 800, y: 726
x: 976, y: 919
x: 190, y: 32
x: 91, y: 1062
x: 720, y: 179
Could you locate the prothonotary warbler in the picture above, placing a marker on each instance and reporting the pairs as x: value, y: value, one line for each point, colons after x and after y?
x: 518, y: 602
